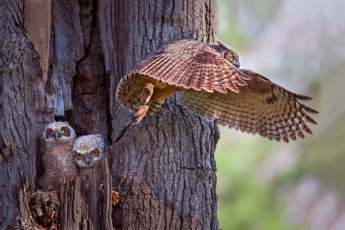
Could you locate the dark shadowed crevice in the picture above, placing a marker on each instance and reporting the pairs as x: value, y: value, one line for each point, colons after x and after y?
x: 90, y: 95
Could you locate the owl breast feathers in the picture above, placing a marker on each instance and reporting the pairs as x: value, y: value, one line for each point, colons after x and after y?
x: 213, y: 87
x: 58, y: 161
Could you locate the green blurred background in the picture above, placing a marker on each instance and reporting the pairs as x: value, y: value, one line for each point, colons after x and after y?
x: 264, y: 185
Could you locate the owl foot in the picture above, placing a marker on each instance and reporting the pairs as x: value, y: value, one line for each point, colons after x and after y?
x: 140, y: 114
x: 146, y: 94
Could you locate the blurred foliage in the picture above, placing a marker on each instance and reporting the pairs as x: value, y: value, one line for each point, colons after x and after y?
x: 228, y: 31
x: 265, y: 11
x: 228, y: 17
x: 324, y: 155
x: 245, y: 202
x: 248, y: 200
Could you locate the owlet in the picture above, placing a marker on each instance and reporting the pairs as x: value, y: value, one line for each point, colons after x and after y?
x: 88, y: 150
x: 58, y: 159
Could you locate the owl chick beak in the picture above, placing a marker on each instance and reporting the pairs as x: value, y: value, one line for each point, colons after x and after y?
x: 88, y: 159
x: 57, y: 135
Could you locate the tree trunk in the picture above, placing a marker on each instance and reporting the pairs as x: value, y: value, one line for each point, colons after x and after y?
x: 163, y: 168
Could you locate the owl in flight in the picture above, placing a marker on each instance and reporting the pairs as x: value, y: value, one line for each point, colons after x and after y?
x: 213, y: 86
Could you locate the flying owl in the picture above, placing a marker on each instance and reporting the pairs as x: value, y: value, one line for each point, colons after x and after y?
x: 58, y: 159
x: 213, y: 86
x: 88, y: 150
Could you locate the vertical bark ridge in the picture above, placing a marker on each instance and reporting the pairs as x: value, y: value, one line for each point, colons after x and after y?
x: 20, y: 120
x: 67, y: 47
x: 84, y: 204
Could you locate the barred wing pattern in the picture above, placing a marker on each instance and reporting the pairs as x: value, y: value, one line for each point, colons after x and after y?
x: 192, y: 65
x: 261, y: 107
x: 129, y: 89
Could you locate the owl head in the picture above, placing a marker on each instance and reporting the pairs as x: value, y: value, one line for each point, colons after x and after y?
x: 58, y: 132
x: 88, y: 150
x: 227, y: 53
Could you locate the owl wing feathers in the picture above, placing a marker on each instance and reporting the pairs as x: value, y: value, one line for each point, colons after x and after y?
x: 192, y: 65
x: 261, y: 107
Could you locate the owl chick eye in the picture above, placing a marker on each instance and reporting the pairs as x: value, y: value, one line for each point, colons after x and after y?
x: 78, y: 156
x: 51, y: 132
x: 95, y: 152
x: 232, y: 57
x: 64, y: 131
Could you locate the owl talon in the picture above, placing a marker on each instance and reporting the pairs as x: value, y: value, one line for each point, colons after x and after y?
x: 146, y: 94
x: 140, y: 114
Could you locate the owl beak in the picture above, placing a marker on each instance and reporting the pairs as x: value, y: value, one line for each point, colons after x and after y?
x: 236, y: 63
x: 57, y: 135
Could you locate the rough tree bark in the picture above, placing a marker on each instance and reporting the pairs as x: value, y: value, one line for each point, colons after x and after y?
x: 23, y: 111
x: 163, y: 168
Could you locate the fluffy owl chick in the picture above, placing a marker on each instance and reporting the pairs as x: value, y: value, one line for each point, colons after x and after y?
x: 88, y: 150
x: 58, y: 162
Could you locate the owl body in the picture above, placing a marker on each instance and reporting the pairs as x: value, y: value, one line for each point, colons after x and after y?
x: 58, y: 160
x: 88, y: 151
x: 214, y: 87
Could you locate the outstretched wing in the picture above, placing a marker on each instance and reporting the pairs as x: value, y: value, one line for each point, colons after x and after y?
x: 192, y: 65
x: 129, y: 89
x: 261, y: 107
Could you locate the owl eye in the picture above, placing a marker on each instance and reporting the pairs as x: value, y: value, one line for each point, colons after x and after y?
x: 62, y: 131
x: 51, y: 132
x: 229, y: 56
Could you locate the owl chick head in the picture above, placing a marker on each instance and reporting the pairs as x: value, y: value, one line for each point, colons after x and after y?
x: 58, y: 132
x: 88, y: 150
